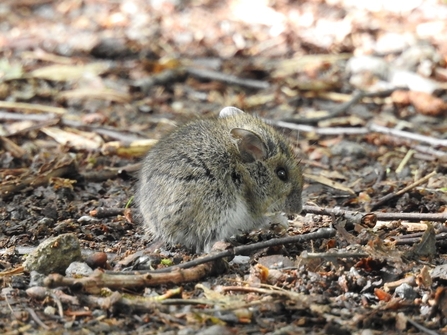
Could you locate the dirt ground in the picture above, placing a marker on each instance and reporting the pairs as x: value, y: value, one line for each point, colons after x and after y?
x: 359, y: 90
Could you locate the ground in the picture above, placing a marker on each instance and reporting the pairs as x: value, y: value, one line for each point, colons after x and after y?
x: 357, y: 88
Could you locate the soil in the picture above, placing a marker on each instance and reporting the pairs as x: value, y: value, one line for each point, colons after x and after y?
x: 85, y: 84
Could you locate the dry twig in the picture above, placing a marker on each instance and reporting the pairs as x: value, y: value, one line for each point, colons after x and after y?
x: 402, y: 191
x: 356, y: 97
x: 248, y: 249
x: 358, y: 217
x: 226, y: 78
x: 62, y: 167
x: 36, y: 318
x: 98, y: 279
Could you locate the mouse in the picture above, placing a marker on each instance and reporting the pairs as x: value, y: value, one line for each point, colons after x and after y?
x: 210, y: 179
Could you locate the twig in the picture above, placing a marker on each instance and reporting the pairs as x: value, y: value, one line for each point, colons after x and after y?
x: 248, y: 249
x: 164, y: 77
x: 366, y: 130
x: 110, y: 172
x: 7, y: 302
x: 356, y: 97
x: 119, y: 280
x: 61, y: 168
x: 405, y: 134
x: 104, y: 212
x: 402, y: 191
x: 226, y: 78
x: 25, y: 2
x: 27, y: 117
x: 335, y: 112
x: 58, y: 303
x: 48, y: 123
x: 415, y: 238
x: 430, y: 151
x: 36, y: 318
x: 331, y: 255
x: 320, y: 130
x: 34, y: 107
x: 357, y: 217
x: 46, y: 120
x: 146, y: 304
x: 421, y: 327
x: 41, y: 293
x: 404, y: 161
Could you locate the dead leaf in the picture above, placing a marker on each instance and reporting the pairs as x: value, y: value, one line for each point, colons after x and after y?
x: 100, y: 94
x: 69, y: 72
x: 59, y: 183
x: 135, y: 149
x: 382, y: 295
x: 15, y: 150
x: 351, y: 120
x: 74, y: 138
x: 427, y: 104
x: 401, y: 97
x: 427, y: 246
x: 326, y: 181
x: 423, y: 278
x: 10, y: 71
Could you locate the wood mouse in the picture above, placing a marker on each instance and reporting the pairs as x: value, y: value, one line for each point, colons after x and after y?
x: 213, y: 178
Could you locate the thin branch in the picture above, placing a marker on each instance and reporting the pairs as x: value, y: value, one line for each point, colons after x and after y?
x: 332, y: 255
x: 405, y: 134
x: 402, y: 191
x: 421, y: 327
x: 340, y: 109
x: 248, y: 249
x: 355, y: 216
x: 163, y: 78
x: 50, y: 119
x: 36, y: 318
x: 34, y: 107
x: 320, y: 130
x: 62, y: 167
x: 226, y: 78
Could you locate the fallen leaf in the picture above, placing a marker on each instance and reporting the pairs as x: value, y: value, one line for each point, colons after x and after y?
x: 74, y: 138
x: 427, y: 104
x: 382, y: 295
x: 69, y: 72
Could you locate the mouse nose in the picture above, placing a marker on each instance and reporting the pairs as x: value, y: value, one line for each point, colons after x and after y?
x: 294, y: 203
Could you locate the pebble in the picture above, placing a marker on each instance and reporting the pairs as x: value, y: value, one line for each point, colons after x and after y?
x: 54, y: 254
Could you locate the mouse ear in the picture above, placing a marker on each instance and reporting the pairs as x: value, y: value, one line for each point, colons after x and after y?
x: 229, y: 111
x: 250, y: 145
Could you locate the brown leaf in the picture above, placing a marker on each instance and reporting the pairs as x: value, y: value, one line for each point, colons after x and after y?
x: 427, y: 246
x: 427, y: 104
x: 69, y: 72
x: 382, y: 295
x: 423, y: 278
x: 401, y: 97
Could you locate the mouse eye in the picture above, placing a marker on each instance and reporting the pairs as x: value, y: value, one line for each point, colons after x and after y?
x: 281, y: 173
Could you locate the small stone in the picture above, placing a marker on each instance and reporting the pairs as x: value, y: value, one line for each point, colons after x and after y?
x: 76, y: 269
x: 36, y: 279
x: 406, y: 292
x: 96, y: 313
x: 54, y: 255
x: 239, y: 259
x: 49, y: 310
x: 215, y: 329
x: 349, y: 149
x: 97, y: 260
